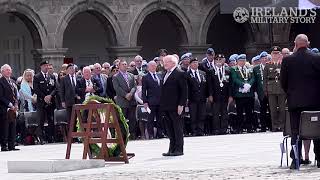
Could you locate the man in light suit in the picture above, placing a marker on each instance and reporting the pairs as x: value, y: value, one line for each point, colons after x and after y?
x: 173, y: 99
x: 125, y: 86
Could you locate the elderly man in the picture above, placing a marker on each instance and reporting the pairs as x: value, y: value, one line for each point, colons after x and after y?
x: 8, y: 109
x: 124, y: 85
x: 285, y: 52
x: 173, y: 99
x: 151, y: 91
x: 45, y: 87
x: 138, y: 66
x: 106, y: 66
x: 101, y: 78
x: 302, y: 88
x: 185, y: 61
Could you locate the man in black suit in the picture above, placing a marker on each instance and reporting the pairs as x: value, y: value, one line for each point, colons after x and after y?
x: 208, y: 62
x: 87, y: 86
x: 151, y: 91
x: 221, y: 93
x: 68, y: 94
x: 173, y: 99
x: 44, y: 86
x: 300, y: 80
x: 8, y: 105
x: 197, y: 95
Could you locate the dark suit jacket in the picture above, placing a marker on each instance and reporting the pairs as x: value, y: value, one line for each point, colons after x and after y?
x: 204, y: 66
x: 81, y: 88
x: 43, y: 88
x: 300, y: 79
x: 151, y: 90
x: 220, y: 92
x: 174, y: 91
x: 7, y: 95
x: 111, y: 93
x: 67, y: 91
x: 197, y: 91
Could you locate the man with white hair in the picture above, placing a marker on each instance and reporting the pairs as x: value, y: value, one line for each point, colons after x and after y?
x: 138, y: 65
x: 300, y: 80
x: 101, y: 78
x: 172, y: 101
x: 8, y: 109
x: 107, y: 68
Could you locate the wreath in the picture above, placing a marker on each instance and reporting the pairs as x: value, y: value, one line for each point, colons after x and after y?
x: 114, y: 150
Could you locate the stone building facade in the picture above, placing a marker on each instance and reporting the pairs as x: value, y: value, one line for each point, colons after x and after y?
x: 88, y: 31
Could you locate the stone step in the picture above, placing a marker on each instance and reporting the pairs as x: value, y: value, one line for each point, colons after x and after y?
x: 53, y: 166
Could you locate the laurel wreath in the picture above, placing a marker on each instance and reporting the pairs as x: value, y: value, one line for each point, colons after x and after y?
x: 114, y: 150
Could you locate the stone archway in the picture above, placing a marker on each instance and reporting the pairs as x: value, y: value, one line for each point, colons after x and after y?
x: 156, y: 6
x: 161, y: 29
x: 21, y: 33
x: 101, y: 11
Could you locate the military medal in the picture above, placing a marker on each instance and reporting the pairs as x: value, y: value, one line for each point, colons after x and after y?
x: 222, y: 74
x: 244, y: 77
x: 221, y: 84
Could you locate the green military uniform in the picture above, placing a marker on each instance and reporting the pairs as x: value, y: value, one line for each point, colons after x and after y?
x: 276, y: 95
x: 258, y: 72
x: 244, y: 100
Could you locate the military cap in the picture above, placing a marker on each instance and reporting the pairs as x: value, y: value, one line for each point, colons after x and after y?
x: 275, y: 48
x: 315, y: 50
x: 219, y: 56
x: 186, y: 55
x: 263, y: 54
x: 255, y: 58
x: 44, y: 62
x: 210, y: 51
x: 242, y: 57
x: 156, y: 59
x: 233, y: 57
x: 193, y: 59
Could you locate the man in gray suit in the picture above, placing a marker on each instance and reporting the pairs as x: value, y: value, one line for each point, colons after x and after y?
x: 125, y: 86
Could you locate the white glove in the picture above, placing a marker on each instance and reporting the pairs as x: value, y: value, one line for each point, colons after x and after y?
x: 246, y: 87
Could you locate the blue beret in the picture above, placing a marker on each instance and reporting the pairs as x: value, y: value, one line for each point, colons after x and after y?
x: 210, y: 51
x: 263, y: 54
x: 255, y: 58
x: 186, y: 55
x: 242, y: 56
x: 315, y: 50
x: 233, y: 57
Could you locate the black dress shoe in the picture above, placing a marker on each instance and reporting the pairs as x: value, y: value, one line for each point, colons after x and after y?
x: 305, y: 162
x: 14, y: 149
x: 318, y: 163
x: 4, y: 149
x: 176, y: 154
x: 166, y: 154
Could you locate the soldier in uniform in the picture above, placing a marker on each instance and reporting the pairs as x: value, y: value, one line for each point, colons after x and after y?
x: 242, y: 80
x: 44, y: 86
x: 208, y: 62
x: 263, y: 99
x: 198, y: 92
x: 185, y: 61
x: 221, y: 93
x: 272, y: 88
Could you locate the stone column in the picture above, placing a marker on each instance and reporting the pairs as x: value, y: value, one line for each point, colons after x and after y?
x: 122, y: 52
x: 54, y: 56
x: 198, y: 51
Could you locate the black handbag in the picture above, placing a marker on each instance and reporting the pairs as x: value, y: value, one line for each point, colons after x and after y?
x: 60, y: 117
x: 310, y: 125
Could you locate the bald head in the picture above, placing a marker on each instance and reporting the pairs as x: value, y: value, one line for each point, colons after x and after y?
x: 285, y: 52
x: 301, y: 41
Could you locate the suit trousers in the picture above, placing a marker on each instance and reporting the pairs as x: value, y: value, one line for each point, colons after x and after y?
x: 174, y: 125
x: 277, y: 104
x: 220, y: 115
x: 264, y: 120
x: 129, y: 114
x: 197, y: 116
x: 8, y: 132
x: 46, y: 115
x: 244, y: 104
x: 159, y: 124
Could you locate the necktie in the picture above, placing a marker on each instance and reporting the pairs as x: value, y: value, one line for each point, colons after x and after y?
x: 125, y: 75
x: 196, y: 75
x: 220, y: 72
x: 45, y: 76
x: 72, y: 81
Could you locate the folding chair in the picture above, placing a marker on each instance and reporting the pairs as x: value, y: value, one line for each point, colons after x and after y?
x: 309, y: 125
x: 61, y: 119
x: 32, y: 121
x: 286, y: 136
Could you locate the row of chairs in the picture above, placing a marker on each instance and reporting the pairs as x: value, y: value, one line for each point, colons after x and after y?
x: 309, y: 129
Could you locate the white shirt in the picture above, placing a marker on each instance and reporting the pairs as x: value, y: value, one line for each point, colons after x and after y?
x: 45, y: 75
x: 196, y: 74
x: 73, y: 78
x: 168, y: 74
x: 155, y: 75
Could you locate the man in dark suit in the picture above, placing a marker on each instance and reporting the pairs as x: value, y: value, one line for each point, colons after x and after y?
x: 68, y: 94
x: 125, y: 86
x: 87, y: 86
x: 221, y: 94
x: 300, y: 80
x: 208, y: 62
x: 44, y: 86
x: 138, y: 66
x: 101, y: 78
x: 8, y: 109
x: 111, y: 93
x: 173, y: 99
x: 198, y: 91
x: 151, y: 91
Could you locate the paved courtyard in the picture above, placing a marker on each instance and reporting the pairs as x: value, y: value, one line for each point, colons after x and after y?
x: 246, y: 156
